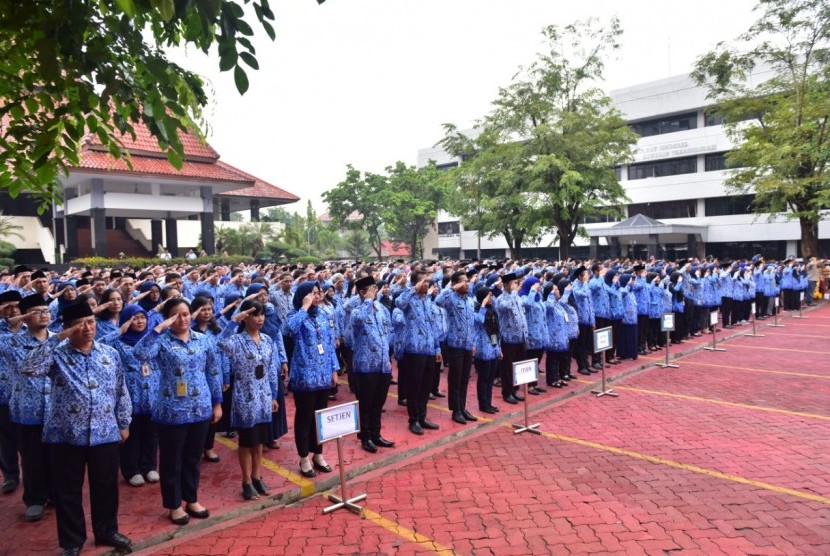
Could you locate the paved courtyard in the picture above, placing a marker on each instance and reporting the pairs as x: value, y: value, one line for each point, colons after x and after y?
x: 725, y: 455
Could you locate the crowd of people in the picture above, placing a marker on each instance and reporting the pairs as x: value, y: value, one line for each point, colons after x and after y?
x: 136, y: 370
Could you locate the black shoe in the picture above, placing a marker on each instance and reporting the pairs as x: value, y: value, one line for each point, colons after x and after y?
x: 323, y: 468
x: 230, y: 434
x: 585, y: 372
x: 211, y: 459
x: 458, y: 417
x: 116, y: 540
x: 415, y: 428
x: 33, y: 513
x: 519, y: 397
x: 10, y: 486
x: 429, y: 425
x: 402, y: 401
x: 511, y: 400
x: 260, y: 486
x: 438, y: 394
x: 489, y: 410
x: 311, y: 473
x: 432, y: 397
x: 597, y: 366
x: 369, y: 446
x: 540, y: 389
x: 383, y: 443
x: 73, y: 551
x: 249, y: 492
x: 592, y: 371
x: 203, y: 514
x: 560, y: 384
x: 568, y: 378
x: 494, y: 408
x: 469, y: 416
x: 184, y: 520
x: 393, y: 382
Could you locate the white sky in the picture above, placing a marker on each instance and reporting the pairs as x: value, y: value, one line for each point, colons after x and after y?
x: 369, y: 82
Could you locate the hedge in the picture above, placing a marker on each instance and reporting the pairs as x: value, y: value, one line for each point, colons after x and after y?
x: 137, y: 262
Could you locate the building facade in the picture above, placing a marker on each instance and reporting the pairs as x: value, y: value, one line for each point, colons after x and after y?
x: 676, y: 178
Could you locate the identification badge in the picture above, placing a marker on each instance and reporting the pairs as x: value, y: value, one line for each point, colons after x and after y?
x: 320, y: 349
x: 259, y: 371
x: 181, y: 388
x: 567, y: 318
x: 145, y: 370
x: 331, y: 323
x: 493, y: 339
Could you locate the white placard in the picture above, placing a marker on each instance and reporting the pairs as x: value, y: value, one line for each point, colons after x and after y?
x: 801, y: 296
x: 752, y: 311
x: 525, y: 372
x: 776, y: 302
x: 713, y: 318
x: 667, y: 322
x: 337, y: 421
x: 603, y: 339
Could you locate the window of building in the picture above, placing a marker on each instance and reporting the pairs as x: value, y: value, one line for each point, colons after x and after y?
x: 448, y: 228
x: 447, y: 166
x: 599, y: 219
x: 712, y: 119
x: 728, y: 206
x: 618, y: 172
x: 686, y: 208
x: 717, y: 161
x: 665, y: 124
x: 662, y: 168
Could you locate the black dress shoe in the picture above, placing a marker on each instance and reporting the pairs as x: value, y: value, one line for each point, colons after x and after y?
x: 438, y: 394
x: 71, y: 551
x: 260, y: 486
x: 383, y: 443
x: 585, y: 372
x: 211, y: 459
x: 533, y: 391
x: 432, y: 397
x: 415, y: 428
x: 322, y: 468
x: 311, y: 473
x: 519, y: 397
x: 116, y: 540
x: 429, y: 425
x: 511, y: 400
x: 469, y: 416
x: 369, y: 446
x: 184, y: 520
x: 393, y: 382
x: 402, y: 401
x: 597, y: 366
x: 10, y: 486
x: 458, y: 417
x: 202, y: 514
x: 494, y: 408
x: 540, y: 389
x: 249, y: 492
x: 489, y: 410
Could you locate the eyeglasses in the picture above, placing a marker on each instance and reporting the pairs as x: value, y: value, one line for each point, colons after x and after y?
x: 40, y: 312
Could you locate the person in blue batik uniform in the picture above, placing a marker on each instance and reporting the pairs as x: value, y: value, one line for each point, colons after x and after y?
x: 513, y: 327
x: 371, y: 334
x: 29, y: 402
x: 557, y: 355
x: 313, y: 372
x: 628, y: 348
x: 255, y: 364
x: 460, y: 347
x: 190, y: 397
x: 486, y: 337
x: 89, y: 417
x: 9, y: 308
x: 107, y: 313
x: 139, y: 454
x: 585, y: 312
x: 537, y: 327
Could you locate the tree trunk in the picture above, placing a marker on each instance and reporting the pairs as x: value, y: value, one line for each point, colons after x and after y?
x: 809, y: 238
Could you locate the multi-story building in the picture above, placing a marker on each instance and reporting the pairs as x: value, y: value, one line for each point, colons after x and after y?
x: 676, y: 178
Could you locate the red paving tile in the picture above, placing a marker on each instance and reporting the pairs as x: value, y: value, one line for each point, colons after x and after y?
x: 495, y: 492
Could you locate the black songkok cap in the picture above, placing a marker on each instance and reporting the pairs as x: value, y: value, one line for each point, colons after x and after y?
x: 34, y: 300
x: 20, y: 269
x: 74, y: 312
x: 364, y: 283
x: 10, y: 296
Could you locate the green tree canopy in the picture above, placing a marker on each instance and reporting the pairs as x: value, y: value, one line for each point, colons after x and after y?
x: 357, y: 202
x: 412, y: 202
x: 73, y: 67
x: 544, y: 157
x: 779, y: 125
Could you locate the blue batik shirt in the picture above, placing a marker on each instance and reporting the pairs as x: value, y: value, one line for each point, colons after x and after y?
x: 28, y: 396
x: 512, y: 321
x: 487, y: 347
x: 556, y: 319
x: 537, y: 327
x: 398, y: 333
x: 460, y: 311
x: 252, y: 392
x: 629, y: 303
x: 615, y: 307
x: 190, y: 380
x: 599, y: 297
x: 371, y: 331
x: 142, y: 378
x: 89, y: 400
x: 639, y: 287
x: 422, y: 327
x: 311, y: 370
x: 346, y: 308
x: 105, y: 327
x: 584, y: 303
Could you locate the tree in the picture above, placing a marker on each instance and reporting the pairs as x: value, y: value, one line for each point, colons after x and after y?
x: 356, y: 245
x: 783, y: 154
x: 73, y: 67
x: 8, y: 227
x: 547, y: 150
x: 412, y: 202
x: 357, y: 202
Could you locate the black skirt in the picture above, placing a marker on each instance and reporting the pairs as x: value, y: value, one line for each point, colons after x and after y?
x: 254, y: 436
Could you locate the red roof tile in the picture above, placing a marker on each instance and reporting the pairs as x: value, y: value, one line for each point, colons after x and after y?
x: 395, y: 249
x: 145, y: 143
x: 261, y: 188
x: 91, y: 160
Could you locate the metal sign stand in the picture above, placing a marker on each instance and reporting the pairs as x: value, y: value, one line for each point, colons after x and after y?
x: 667, y: 326
x: 754, y: 333
x: 775, y: 303
x: 800, y: 314
x: 343, y: 501
x: 608, y: 343
x: 713, y: 322
x: 531, y: 373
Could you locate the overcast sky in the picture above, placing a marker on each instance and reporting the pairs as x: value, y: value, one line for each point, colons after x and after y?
x: 369, y: 82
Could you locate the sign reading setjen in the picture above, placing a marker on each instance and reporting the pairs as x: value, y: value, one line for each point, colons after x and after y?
x: 525, y: 372
x: 337, y: 421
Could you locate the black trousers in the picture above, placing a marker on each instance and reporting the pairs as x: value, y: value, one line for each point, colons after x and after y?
x: 486, y: 372
x: 511, y: 353
x: 727, y: 311
x: 139, y: 454
x: 680, y: 330
x: 584, y: 345
x: 642, y: 332
x: 34, y: 457
x: 372, y: 389
x: 348, y: 357
x: 8, y: 447
x: 611, y: 354
x: 557, y: 366
x: 305, y: 431
x: 68, y: 464
x: 180, y: 459
x: 460, y: 362
x: 420, y: 371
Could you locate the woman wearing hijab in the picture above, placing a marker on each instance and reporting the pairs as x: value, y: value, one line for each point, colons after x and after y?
x: 67, y: 294
x: 615, y: 309
x: 314, y: 369
x: 627, y: 348
x: 537, y: 328
x: 139, y: 453
x: 585, y: 313
x: 678, y: 304
x: 557, y: 356
x: 655, y: 310
x: 255, y: 365
x: 107, y: 313
x: 487, y: 342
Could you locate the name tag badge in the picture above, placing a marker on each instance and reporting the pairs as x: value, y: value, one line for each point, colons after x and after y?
x: 567, y: 318
x: 320, y: 349
x: 493, y: 339
x: 181, y: 388
x: 145, y: 370
x: 331, y: 323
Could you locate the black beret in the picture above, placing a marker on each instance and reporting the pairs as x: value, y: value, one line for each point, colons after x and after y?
x: 20, y: 269
x: 74, y: 312
x: 364, y: 283
x: 507, y: 278
x: 34, y: 300
x: 10, y: 296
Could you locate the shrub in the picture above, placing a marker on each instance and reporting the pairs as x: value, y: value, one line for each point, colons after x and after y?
x: 306, y: 259
x: 136, y: 262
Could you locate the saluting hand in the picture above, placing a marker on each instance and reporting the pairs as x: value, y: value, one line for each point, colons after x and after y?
x: 166, y: 323
x: 307, y: 301
x: 102, y: 307
x: 126, y: 326
x: 242, y: 315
